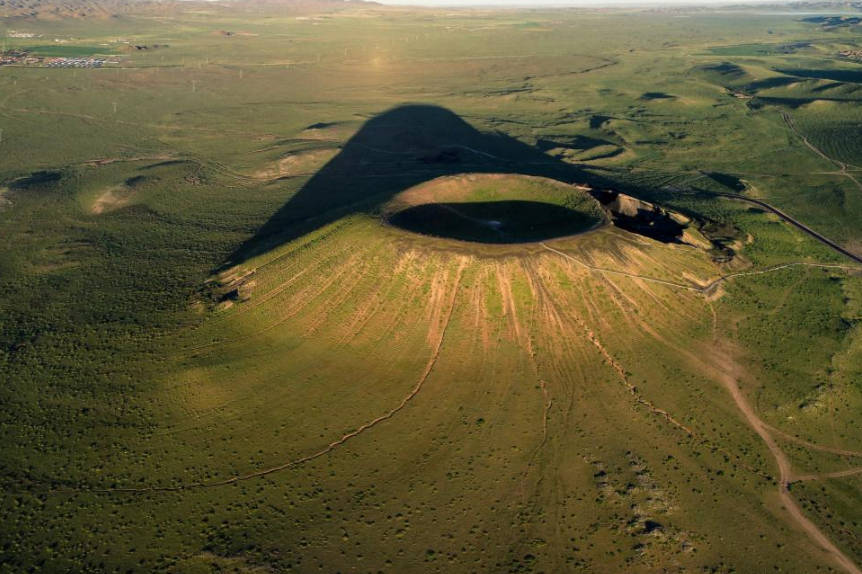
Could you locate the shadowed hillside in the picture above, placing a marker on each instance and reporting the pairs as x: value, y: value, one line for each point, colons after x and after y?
x: 396, y: 150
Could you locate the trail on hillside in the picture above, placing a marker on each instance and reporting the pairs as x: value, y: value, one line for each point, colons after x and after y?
x: 624, y: 378
x: 785, y: 472
x: 109, y: 160
x: 713, y: 284
x: 839, y: 164
x: 632, y: 389
x: 691, y: 286
x: 262, y: 298
x: 523, y: 335
x: 723, y: 370
x: 591, y: 267
x: 727, y: 371
x: 539, y: 296
x: 825, y: 475
x: 813, y: 446
x: 429, y: 367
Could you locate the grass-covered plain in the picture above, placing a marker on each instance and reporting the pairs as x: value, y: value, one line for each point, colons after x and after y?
x: 218, y: 353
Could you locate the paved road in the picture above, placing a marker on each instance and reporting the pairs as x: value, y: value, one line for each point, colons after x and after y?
x: 795, y: 222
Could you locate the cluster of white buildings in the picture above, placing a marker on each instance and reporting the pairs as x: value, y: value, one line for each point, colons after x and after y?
x: 77, y: 62
x: 22, y: 58
x: 14, y: 34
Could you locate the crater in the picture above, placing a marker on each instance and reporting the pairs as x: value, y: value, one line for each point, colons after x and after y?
x: 495, y: 208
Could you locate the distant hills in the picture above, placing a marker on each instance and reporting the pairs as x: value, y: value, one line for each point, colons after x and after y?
x: 103, y: 9
x: 57, y: 9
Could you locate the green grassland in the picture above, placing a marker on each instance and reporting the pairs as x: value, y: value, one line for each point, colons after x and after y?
x: 217, y: 352
x: 62, y: 50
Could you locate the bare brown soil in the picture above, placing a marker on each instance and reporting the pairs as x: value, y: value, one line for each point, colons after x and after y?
x: 296, y: 164
x: 111, y: 199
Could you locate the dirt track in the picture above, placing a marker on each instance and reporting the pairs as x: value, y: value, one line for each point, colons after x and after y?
x: 725, y: 371
x: 836, y: 474
x: 839, y: 164
x: 784, y: 468
x: 691, y: 286
x: 811, y: 445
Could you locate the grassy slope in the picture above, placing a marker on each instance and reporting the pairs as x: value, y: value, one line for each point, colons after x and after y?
x: 117, y: 375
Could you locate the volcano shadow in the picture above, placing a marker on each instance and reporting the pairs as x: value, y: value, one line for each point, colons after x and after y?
x: 394, y: 151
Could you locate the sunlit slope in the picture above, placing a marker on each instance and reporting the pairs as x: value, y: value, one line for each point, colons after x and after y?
x: 516, y: 408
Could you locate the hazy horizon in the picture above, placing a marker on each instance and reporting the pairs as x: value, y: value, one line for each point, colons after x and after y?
x: 561, y: 3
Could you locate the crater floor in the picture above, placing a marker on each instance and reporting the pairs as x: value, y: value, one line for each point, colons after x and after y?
x: 495, y: 208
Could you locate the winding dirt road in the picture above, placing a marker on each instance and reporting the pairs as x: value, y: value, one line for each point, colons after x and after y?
x: 691, y: 286
x: 784, y: 468
x: 811, y: 445
x: 843, y: 167
x: 836, y: 474
x: 727, y: 371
